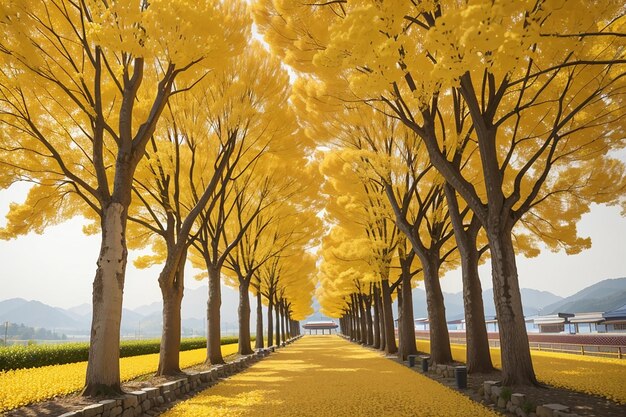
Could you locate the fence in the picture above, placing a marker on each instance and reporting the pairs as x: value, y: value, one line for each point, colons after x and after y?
x: 609, y: 351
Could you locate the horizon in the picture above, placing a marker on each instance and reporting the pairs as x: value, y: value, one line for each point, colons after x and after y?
x: 72, y: 263
x: 253, y: 301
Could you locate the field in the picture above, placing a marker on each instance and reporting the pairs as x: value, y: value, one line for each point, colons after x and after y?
x: 24, y: 386
x: 605, y: 377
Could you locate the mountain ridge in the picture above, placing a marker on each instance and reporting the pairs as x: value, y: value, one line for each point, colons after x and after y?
x: 602, y: 296
x: 146, y: 320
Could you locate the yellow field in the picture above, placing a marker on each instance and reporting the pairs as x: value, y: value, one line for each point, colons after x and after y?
x: 328, y: 376
x: 24, y: 386
x: 605, y: 377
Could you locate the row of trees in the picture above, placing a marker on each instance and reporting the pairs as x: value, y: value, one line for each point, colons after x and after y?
x: 169, y: 127
x: 456, y: 132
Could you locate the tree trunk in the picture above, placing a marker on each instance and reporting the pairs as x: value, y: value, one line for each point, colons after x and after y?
x: 383, y: 333
x: 401, y: 353
x: 103, y: 367
x: 478, y: 357
x: 376, y: 329
x: 517, y: 366
x: 169, y: 351
x: 214, y: 336
x: 349, y: 322
x: 270, y: 321
x: 259, y: 344
x: 363, y: 319
x: 407, y: 327
x: 172, y: 284
x: 244, y: 318
x: 357, y: 320
x: 440, y: 352
x: 390, y: 337
x: 277, y: 310
x: 368, y: 317
x: 282, y: 321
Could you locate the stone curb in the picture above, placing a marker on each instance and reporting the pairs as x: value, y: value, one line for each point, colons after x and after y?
x: 140, y: 402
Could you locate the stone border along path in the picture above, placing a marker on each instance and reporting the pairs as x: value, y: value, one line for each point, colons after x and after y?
x: 329, y: 376
x: 153, y: 401
x: 570, y: 399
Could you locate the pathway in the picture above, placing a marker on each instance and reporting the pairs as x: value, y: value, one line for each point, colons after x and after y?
x: 328, y: 376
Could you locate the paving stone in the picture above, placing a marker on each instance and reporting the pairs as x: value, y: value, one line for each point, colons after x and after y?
x: 168, y: 386
x: 116, y: 411
x: 108, y: 404
x: 129, y: 412
x: 93, y: 410
x: 518, y: 399
x: 151, y: 392
x: 140, y: 394
x: 129, y: 401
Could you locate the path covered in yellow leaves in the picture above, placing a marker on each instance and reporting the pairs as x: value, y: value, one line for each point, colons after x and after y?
x: 328, y: 376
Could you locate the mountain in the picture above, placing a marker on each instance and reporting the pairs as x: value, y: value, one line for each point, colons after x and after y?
x: 10, y: 304
x: 36, y: 314
x: 195, y: 303
x: 604, y: 296
x: 148, y: 309
x: 146, y: 320
x: 533, y: 300
x: 81, y: 310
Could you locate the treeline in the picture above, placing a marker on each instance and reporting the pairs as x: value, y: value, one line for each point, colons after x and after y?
x: 21, y: 332
x: 180, y: 139
x: 453, y: 134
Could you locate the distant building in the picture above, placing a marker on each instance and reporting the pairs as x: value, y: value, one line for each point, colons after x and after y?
x: 554, y: 323
x: 614, y: 321
x: 456, y: 324
x: 320, y: 326
x: 587, y: 322
x: 422, y: 324
x: 570, y: 323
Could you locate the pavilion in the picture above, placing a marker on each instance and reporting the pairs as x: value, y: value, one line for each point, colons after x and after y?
x: 320, y: 325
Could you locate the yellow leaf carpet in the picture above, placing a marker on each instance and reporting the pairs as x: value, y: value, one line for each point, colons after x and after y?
x: 328, y: 376
x: 25, y: 386
x: 605, y: 377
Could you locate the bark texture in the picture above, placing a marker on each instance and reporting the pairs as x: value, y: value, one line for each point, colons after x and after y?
x: 169, y: 363
x: 376, y: 325
x: 478, y: 357
x: 214, y: 331
x: 407, y: 327
x: 517, y: 366
x: 244, y: 319
x: 440, y: 352
x: 259, y: 344
x: 103, y: 369
x: 270, y: 322
x: 390, y: 337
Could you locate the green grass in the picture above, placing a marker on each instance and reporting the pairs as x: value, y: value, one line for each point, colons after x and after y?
x: 33, y: 356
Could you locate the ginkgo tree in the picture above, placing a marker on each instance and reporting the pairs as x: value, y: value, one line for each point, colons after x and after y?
x: 189, y: 161
x: 543, y: 87
x: 280, y: 225
x: 250, y: 104
x: 83, y: 85
x: 358, y: 206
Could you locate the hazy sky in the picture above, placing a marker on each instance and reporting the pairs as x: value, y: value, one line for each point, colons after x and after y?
x: 58, y: 267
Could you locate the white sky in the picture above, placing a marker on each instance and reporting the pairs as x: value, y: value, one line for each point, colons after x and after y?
x: 58, y: 267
